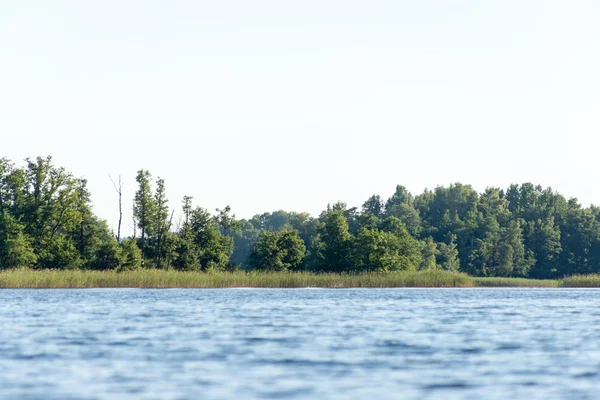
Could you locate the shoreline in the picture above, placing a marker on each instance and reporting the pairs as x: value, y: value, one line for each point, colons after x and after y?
x: 171, y: 279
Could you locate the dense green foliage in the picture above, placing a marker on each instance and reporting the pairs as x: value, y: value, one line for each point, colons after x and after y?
x: 281, y: 250
x: 46, y: 222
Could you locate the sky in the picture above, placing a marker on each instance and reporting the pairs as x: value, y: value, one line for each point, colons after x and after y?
x: 270, y: 104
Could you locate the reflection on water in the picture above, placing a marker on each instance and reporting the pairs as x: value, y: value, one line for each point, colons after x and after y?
x: 300, y: 343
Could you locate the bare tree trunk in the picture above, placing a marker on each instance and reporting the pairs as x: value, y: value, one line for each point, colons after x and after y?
x: 134, y: 229
x: 170, y: 244
x: 143, y: 246
x: 119, y: 190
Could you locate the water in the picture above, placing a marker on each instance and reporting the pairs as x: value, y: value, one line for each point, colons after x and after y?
x: 300, y: 343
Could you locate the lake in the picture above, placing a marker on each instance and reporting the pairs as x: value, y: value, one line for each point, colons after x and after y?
x: 300, y: 344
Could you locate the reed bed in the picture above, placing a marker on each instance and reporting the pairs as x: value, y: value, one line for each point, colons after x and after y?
x: 152, y: 278
x: 515, y: 282
x: 581, y: 281
x: 148, y: 278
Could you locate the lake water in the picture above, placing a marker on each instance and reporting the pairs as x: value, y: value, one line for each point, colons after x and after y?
x: 300, y: 343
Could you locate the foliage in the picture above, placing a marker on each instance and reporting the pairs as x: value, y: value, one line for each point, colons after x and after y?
x: 528, y: 231
x: 109, y: 256
x: 429, y: 251
x: 16, y: 248
x: 383, y: 251
x: 332, y: 249
x: 144, y: 208
x: 131, y: 256
x: 188, y: 253
x: 281, y: 250
x: 447, y: 255
x: 212, y: 247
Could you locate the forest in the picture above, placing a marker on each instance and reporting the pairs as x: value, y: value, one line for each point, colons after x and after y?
x: 47, y: 222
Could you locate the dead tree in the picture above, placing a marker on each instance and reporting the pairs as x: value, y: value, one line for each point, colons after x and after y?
x: 119, y: 190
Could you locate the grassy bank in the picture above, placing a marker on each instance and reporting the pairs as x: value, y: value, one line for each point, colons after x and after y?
x: 24, y: 278
x: 174, y: 279
x: 581, y: 281
x: 515, y: 282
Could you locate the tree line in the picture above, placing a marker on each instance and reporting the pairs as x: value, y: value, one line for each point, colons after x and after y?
x: 46, y: 222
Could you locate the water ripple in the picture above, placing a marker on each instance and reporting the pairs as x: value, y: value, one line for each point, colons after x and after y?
x: 299, y: 344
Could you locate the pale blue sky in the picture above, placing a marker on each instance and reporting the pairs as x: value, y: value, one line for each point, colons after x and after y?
x: 269, y: 105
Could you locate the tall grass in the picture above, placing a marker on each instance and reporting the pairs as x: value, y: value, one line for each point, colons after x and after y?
x: 152, y: 278
x: 148, y: 278
x: 515, y: 282
x: 581, y: 281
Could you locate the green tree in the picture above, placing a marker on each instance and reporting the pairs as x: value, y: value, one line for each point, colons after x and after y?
x: 481, y: 256
x: 512, y: 258
x: 452, y: 210
x: 277, y: 251
x: 408, y: 215
x: 244, y: 240
x: 144, y: 207
x: 215, y: 247
x: 131, y: 255
x: 16, y: 248
x: 50, y: 214
x: 448, y: 255
x: 226, y: 221
x: 334, y: 253
x: 429, y: 253
x: 543, y: 237
x: 161, y: 225
x: 89, y: 233
x: 383, y: 251
x: 108, y: 257
x: 187, y: 208
x: 373, y: 206
x: 6, y: 169
x: 400, y: 196
x: 580, y: 241
x: 188, y: 253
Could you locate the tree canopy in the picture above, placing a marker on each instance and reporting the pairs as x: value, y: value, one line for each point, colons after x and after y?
x: 46, y: 221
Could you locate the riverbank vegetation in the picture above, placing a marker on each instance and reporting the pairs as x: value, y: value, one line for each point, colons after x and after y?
x: 516, y: 282
x: 154, y: 278
x: 524, y: 231
x: 581, y: 281
x: 161, y: 279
